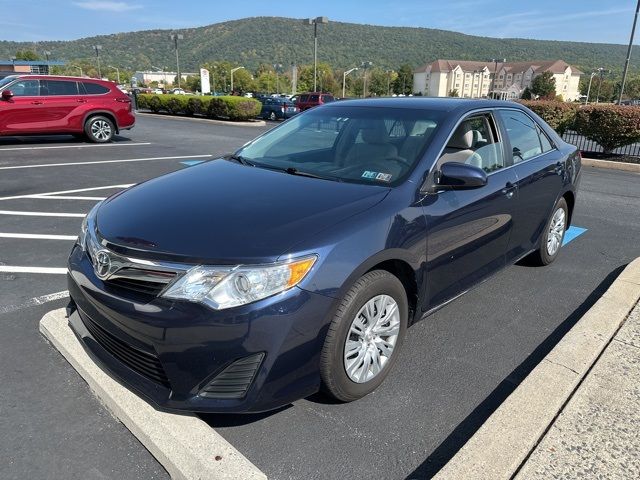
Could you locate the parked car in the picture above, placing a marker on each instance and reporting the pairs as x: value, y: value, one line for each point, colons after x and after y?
x: 298, y: 262
x: 158, y: 91
x: 278, y: 108
x: 313, y: 99
x: 47, y: 104
x: 178, y: 91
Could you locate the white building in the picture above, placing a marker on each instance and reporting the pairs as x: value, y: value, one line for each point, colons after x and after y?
x: 163, y: 78
x: 476, y: 79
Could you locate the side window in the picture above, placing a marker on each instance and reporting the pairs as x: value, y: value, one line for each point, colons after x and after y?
x: 94, y: 88
x: 523, y: 134
x: 395, y: 128
x: 327, y: 98
x: 475, y: 142
x: 58, y: 87
x: 546, y: 143
x: 25, y: 88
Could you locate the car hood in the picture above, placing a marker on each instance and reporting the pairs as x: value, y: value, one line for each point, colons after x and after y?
x: 221, y: 212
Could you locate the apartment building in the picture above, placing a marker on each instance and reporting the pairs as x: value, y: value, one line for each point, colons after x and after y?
x: 471, y: 79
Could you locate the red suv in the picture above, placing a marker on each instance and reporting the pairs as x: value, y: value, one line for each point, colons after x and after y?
x: 312, y: 99
x: 46, y: 104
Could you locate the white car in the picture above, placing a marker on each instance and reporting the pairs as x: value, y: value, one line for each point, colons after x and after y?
x: 158, y: 91
x: 178, y: 91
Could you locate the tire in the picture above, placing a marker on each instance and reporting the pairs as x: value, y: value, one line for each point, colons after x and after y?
x: 272, y: 116
x: 553, y: 235
x: 99, y: 129
x: 334, y: 359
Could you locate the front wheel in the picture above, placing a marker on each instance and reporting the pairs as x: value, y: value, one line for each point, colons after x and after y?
x: 99, y: 129
x: 272, y: 116
x: 553, y: 234
x: 364, y: 337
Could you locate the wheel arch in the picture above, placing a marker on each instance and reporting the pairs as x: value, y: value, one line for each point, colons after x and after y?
x: 570, y: 198
x: 103, y: 113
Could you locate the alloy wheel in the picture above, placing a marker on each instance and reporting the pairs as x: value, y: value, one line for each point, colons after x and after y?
x: 372, y: 338
x: 556, y: 231
x: 101, y: 130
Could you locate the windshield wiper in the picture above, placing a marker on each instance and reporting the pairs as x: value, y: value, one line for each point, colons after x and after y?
x: 300, y: 173
x: 240, y: 159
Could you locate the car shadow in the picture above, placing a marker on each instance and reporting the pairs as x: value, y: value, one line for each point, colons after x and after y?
x: 465, y: 429
x: 36, y: 140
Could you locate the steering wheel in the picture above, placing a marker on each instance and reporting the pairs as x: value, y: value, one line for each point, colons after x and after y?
x: 400, y: 160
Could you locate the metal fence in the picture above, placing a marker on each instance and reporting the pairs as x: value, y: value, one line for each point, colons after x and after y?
x: 589, y: 146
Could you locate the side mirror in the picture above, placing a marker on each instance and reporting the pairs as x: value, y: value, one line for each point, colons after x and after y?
x: 7, y: 95
x: 459, y: 176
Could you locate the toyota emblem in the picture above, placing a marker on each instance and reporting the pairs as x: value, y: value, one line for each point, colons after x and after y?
x: 103, y: 264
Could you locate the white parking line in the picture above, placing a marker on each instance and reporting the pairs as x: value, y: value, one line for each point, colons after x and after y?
x: 34, y: 301
x: 65, y: 197
x: 126, y: 160
x: 62, y: 192
x: 48, y: 147
x: 10, y: 269
x: 41, y: 214
x: 37, y: 236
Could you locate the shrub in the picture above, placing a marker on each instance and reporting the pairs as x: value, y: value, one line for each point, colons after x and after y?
x: 558, y: 115
x: 611, y: 126
x: 232, y: 108
x: 175, y: 104
x: 198, y: 105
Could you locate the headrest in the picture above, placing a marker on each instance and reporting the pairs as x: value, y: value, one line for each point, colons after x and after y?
x: 462, y: 138
x: 374, y: 131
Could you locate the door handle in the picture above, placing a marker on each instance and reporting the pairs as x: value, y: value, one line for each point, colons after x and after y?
x: 509, y: 190
x: 81, y: 100
x: 37, y: 102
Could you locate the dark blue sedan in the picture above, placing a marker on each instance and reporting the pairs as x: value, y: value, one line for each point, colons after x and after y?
x: 274, y: 108
x: 297, y: 263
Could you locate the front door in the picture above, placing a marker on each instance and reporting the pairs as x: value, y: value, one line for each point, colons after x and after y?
x: 21, y: 113
x: 468, y: 230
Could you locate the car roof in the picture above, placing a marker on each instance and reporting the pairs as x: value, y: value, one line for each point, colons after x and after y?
x: 60, y: 77
x: 446, y: 104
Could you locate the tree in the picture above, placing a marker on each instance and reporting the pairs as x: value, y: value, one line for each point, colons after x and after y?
x: 526, y: 94
x: 453, y: 93
x: 192, y: 83
x: 404, y: 81
x: 27, y: 55
x: 544, y: 86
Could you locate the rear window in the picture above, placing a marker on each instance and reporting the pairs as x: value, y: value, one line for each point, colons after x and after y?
x: 58, y: 87
x: 94, y: 88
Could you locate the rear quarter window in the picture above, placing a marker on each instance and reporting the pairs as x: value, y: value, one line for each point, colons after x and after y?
x: 94, y: 88
x: 58, y: 87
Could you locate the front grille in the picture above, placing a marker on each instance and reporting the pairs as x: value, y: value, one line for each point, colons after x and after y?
x: 151, y: 289
x: 141, y: 281
x: 235, y: 380
x: 146, y: 364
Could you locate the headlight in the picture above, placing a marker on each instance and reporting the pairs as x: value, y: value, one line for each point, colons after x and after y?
x: 84, y: 227
x: 225, y: 287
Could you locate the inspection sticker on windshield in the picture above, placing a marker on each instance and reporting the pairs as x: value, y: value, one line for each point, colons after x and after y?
x: 384, y: 177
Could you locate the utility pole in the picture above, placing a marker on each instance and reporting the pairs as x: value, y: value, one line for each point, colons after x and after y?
x: 97, y: 48
x: 601, y: 72
x: 593, y: 74
x: 46, y: 54
x: 626, y: 62
x: 344, y: 80
x: 365, y: 65
x: 117, y: 72
x: 175, y: 37
x: 315, y: 22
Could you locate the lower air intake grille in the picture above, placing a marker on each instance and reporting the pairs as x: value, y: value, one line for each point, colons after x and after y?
x: 235, y: 380
x: 146, y: 364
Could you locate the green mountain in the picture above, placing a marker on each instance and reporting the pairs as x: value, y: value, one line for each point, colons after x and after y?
x: 252, y: 41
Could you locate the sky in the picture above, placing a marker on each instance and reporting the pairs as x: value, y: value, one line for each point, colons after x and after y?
x: 602, y: 21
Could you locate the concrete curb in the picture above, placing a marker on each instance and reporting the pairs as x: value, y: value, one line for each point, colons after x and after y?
x: 185, y: 445
x: 504, y: 441
x: 627, y: 167
x: 257, y: 123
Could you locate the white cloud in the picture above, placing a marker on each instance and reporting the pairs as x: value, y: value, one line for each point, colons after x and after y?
x: 107, y: 6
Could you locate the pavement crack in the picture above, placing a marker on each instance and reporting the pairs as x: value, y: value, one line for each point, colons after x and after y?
x: 561, y: 365
x: 626, y: 343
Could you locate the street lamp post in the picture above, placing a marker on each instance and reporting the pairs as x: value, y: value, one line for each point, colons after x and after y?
x: 315, y: 22
x: 46, y: 55
x: 233, y: 70
x: 344, y: 79
x: 601, y: 72
x: 593, y: 74
x: 78, y: 67
x: 13, y: 61
x: 495, y: 72
x: 389, y: 72
x: 175, y: 37
x: 117, y: 72
x: 626, y: 62
x: 365, y: 65
x: 277, y: 67
x: 97, y: 48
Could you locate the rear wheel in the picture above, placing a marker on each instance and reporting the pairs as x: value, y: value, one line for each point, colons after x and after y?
x: 272, y: 116
x: 99, y: 129
x: 364, y: 337
x: 553, y: 235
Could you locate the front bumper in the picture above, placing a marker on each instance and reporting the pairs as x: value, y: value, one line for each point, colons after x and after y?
x: 194, y: 344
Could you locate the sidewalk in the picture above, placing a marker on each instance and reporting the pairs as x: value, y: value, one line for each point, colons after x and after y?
x: 577, y: 413
x: 597, y: 433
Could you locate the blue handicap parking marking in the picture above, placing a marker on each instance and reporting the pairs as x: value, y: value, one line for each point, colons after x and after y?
x: 191, y: 163
x: 572, y: 233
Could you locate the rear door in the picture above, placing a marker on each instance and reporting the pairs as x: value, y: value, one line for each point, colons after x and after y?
x: 61, y: 99
x: 23, y: 112
x: 539, y: 170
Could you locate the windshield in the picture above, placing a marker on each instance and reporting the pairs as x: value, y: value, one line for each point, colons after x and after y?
x: 369, y: 145
x: 7, y: 80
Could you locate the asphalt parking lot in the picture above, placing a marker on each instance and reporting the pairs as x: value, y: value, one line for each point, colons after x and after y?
x: 455, y: 368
